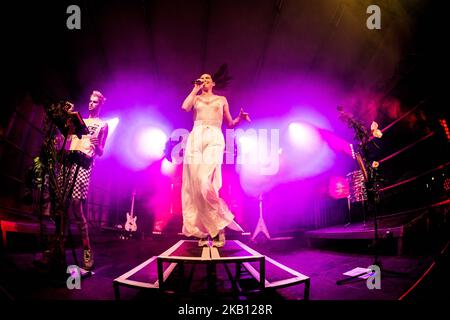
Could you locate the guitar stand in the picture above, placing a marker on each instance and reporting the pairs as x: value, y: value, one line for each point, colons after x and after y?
x: 261, y: 225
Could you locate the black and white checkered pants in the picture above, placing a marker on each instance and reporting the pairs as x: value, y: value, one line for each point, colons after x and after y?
x: 81, y: 187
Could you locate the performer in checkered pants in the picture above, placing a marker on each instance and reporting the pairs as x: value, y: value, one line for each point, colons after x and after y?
x: 90, y: 145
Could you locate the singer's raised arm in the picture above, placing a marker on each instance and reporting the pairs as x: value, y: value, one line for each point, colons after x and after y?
x: 188, y: 103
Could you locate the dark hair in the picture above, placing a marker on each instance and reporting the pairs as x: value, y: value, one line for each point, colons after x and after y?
x: 221, y: 77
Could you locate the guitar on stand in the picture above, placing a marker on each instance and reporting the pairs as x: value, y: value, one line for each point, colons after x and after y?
x: 130, y: 225
x: 261, y: 225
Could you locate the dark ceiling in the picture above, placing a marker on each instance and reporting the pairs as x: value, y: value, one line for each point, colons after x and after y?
x: 161, y: 46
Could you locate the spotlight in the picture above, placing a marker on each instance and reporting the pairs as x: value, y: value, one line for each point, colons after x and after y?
x: 304, y: 136
x: 151, y: 143
x: 112, y: 125
x: 167, y: 167
x: 248, y: 144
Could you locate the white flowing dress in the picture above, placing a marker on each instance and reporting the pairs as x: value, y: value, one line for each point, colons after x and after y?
x: 204, y: 212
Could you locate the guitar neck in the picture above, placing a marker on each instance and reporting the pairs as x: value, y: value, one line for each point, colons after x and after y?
x: 132, y: 205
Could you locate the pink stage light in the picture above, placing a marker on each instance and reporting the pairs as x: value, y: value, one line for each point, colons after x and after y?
x: 151, y: 143
x: 112, y: 125
x: 167, y: 167
x: 338, y: 187
x: 248, y: 144
x: 304, y: 136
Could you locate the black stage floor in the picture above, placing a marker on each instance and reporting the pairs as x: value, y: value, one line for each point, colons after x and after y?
x: 20, y: 280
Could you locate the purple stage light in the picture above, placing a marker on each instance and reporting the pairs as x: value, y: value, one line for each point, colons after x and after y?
x: 305, y: 151
x: 167, y: 167
x: 248, y: 144
x: 338, y: 187
x: 140, y: 140
x: 112, y: 125
x: 304, y: 136
x: 151, y: 143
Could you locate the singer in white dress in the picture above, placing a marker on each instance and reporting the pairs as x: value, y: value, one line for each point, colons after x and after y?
x: 205, y: 214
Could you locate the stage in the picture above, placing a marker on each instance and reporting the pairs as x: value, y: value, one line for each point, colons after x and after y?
x: 399, y: 231
x: 116, y: 258
x: 359, y: 231
x: 268, y: 273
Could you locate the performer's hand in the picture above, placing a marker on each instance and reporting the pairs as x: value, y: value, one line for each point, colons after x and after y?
x: 94, y: 141
x: 244, y: 115
x: 197, y: 88
x: 69, y: 107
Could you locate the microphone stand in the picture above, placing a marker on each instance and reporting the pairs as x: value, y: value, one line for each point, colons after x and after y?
x: 372, y: 182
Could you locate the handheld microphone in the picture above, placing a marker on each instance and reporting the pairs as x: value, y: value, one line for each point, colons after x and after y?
x: 198, y: 81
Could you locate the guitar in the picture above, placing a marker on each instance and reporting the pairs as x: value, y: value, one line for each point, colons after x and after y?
x: 131, y: 225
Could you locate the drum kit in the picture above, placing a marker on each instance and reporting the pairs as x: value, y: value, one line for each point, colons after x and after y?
x: 357, y: 188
